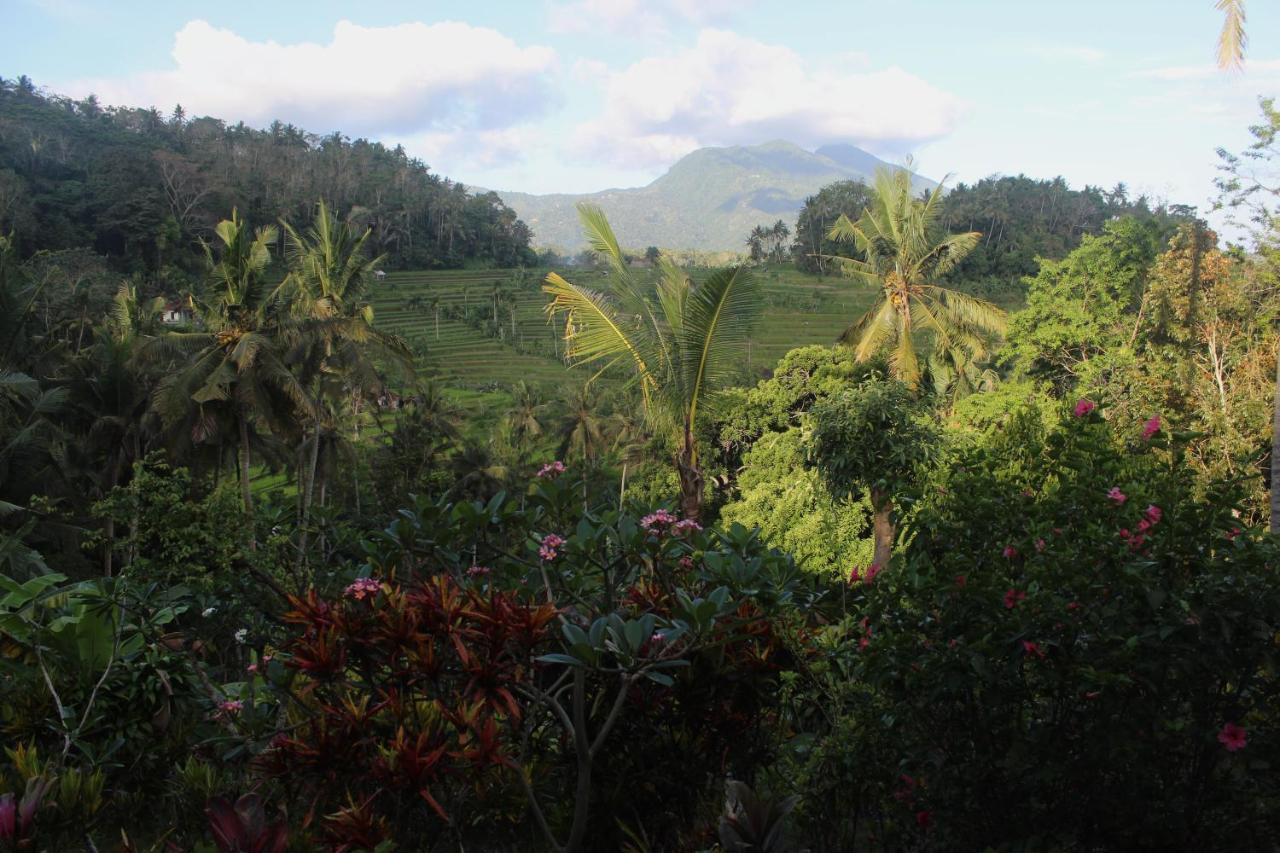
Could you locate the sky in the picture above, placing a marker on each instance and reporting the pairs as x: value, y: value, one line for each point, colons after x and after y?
x: 582, y: 95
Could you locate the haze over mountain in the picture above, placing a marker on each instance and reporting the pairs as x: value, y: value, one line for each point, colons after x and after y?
x: 709, y: 200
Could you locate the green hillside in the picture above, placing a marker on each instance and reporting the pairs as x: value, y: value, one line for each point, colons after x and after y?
x: 709, y: 200
x: 800, y: 309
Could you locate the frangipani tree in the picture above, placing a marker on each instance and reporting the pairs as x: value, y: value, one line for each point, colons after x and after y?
x: 904, y: 252
x: 681, y: 340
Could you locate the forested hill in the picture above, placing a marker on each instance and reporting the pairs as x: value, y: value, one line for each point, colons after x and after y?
x: 142, y: 188
x: 709, y: 200
x: 1021, y: 220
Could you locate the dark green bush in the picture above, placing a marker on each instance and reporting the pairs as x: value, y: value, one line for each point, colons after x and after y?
x: 1072, y: 654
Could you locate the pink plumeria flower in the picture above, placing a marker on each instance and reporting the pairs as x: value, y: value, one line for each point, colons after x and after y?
x: 685, y: 525
x: 655, y: 522
x: 551, y: 470
x: 363, y: 588
x: 1150, y: 428
x: 547, y: 551
x: 1118, y: 497
x: 1009, y: 552
x: 231, y: 706
x: 1083, y: 408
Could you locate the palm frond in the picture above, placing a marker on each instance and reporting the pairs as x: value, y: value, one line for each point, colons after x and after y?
x: 970, y: 310
x: 719, y: 316
x: 943, y: 256
x: 870, y: 332
x: 1233, y: 39
x: 601, y: 238
x: 594, y: 330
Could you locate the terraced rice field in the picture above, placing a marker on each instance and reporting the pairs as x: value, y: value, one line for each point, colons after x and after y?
x: 799, y: 309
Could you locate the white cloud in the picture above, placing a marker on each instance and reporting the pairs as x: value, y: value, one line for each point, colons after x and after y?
x: 729, y: 89
x: 1071, y: 52
x: 1253, y: 68
x: 444, y: 78
x: 631, y: 17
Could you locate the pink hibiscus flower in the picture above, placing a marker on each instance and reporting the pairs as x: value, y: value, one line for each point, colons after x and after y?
x: 1232, y: 737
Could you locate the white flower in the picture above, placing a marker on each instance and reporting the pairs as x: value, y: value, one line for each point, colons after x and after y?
x: 242, y: 635
x: 209, y: 611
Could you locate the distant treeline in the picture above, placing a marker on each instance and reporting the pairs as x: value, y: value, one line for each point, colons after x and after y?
x: 1020, y: 219
x: 143, y: 188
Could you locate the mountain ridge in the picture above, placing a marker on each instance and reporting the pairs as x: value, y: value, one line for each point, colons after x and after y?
x: 708, y: 200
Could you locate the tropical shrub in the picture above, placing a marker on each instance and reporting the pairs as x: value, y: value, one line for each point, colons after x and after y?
x: 1072, y: 653
x: 530, y: 676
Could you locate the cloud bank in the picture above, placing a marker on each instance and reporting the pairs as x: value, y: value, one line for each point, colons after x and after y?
x: 730, y: 90
x: 440, y: 79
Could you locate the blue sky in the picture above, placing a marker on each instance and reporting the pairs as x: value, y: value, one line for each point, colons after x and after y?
x: 580, y: 95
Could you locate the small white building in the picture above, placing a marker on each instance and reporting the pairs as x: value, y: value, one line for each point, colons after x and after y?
x: 175, y: 313
x: 379, y: 275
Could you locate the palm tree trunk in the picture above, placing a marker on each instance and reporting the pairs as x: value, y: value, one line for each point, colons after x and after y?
x: 246, y: 494
x: 622, y: 490
x: 882, y: 527
x: 690, y: 479
x: 307, y: 495
x: 1275, y: 455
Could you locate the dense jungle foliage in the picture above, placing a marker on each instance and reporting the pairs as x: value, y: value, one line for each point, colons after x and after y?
x: 965, y: 579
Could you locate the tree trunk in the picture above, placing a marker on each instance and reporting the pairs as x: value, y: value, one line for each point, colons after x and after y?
x: 307, y: 496
x: 245, y: 493
x: 883, y: 528
x: 690, y: 479
x: 1275, y: 455
x: 109, y: 534
x: 622, y: 490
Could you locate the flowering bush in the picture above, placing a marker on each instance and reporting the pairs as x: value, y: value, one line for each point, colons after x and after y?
x: 492, y: 684
x: 1074, y: 650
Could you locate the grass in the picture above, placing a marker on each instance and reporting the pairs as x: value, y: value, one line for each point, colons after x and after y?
x: 477, y: 369
x: 798, y: 309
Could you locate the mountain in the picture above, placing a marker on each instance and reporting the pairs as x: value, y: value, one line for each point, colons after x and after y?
x: 709, y: 200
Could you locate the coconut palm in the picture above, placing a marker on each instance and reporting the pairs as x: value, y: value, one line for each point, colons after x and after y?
x: 631, y: 438
x: 238, y: 368
x: 524, y: 418
x: 113, y: 389
x: 681, y: 340
x: 904, y: 252
x: 333, y: 337
x: 581, y: 429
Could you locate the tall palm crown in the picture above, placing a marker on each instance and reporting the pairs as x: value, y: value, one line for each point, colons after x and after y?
x: 904, y: 252
x: 238, y: 367
x: 682, y: 341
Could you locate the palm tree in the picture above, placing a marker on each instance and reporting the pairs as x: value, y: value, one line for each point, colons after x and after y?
x: 524, y: 418
x: 903, y: 254
x: 631, y: 439
x: 238, y: 364
x: 328, y: 283
x: 581, y: 428
x: 114, y: 390
x: 681, y: 340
